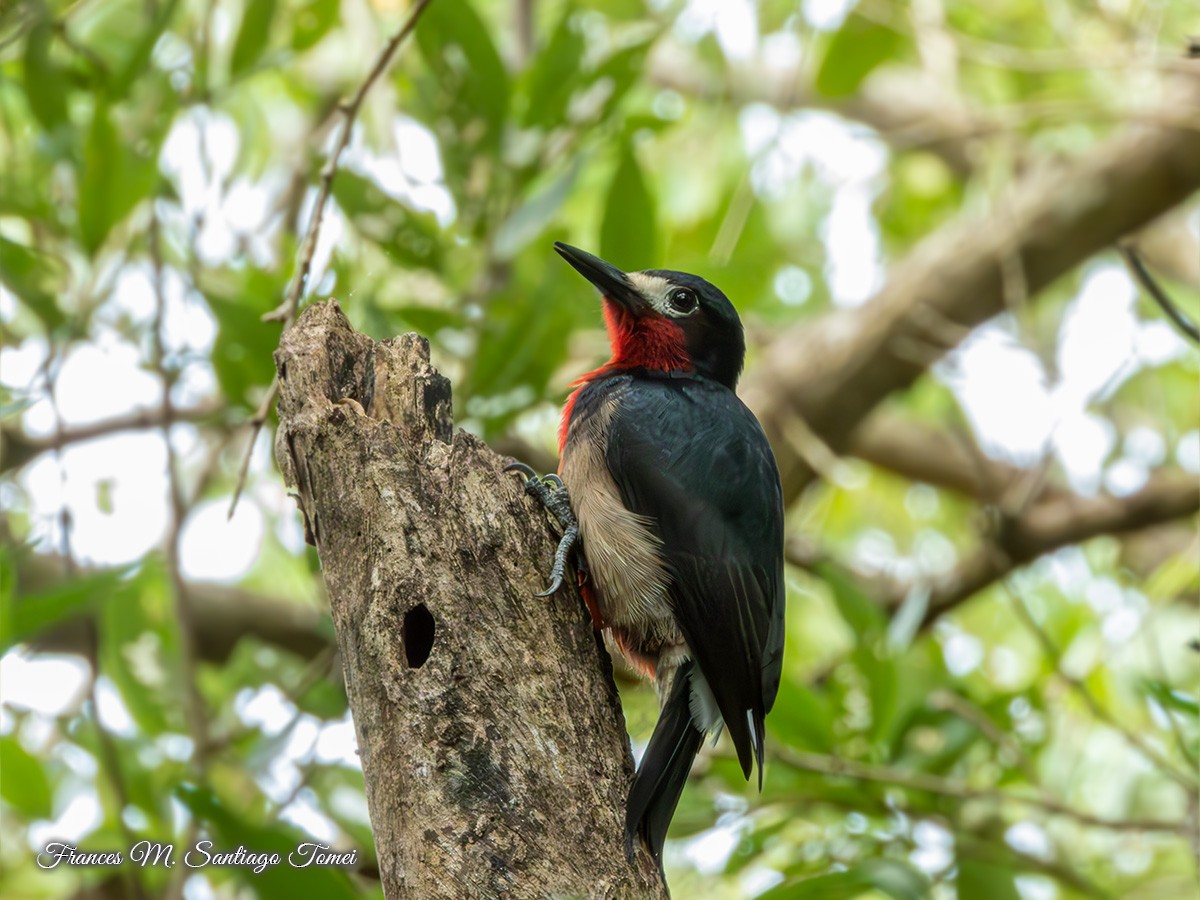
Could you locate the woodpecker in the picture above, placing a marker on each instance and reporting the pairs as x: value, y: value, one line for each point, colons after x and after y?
x: 669, y: 484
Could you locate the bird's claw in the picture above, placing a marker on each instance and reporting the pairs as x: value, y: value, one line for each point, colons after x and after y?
x: 550, y: 479
x: 525, y: 470
x: 552, y: 494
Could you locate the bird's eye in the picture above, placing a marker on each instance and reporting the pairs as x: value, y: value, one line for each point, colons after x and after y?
x: 683, y: 301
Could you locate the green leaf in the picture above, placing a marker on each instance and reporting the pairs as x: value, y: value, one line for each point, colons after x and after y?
x: 325, y: 699
x: 536, y: 214
x: 27, y: 615
x: 855, y: 50
x: 1178, y: 576
x: 802, y: 717
x: 138, y: 60
x: 954, y: 737
x: 120, y: 37
x: 139, y: 650
x: 897, y: 687
x: 44, y: 82
x: 312, y: 22
x: 26, y: 271
x: 409, y: 237
x: 1172, y: 698
x: 891, y: 878
x: 524, y: 340
x: 986, y: 881
x: 922, y: 194
x: 628, y: 234
x: 428, y: 320
x: 327, y: 780
x: 618, y: 10
x: 883, y: 688
x: 96, y: 202
x: 861, y: 613
x: 117, y: 175
x: 554, y: 75
x: 252, y: 36
x: 242, y: 352
x: 15, y: 407
x: 458, y: 48
x: 230, y: 830
x: 754, y: 843
x: 623, y: 69
x: 24, y: 785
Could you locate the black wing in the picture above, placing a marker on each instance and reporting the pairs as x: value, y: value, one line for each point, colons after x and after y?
x: 688, y: 454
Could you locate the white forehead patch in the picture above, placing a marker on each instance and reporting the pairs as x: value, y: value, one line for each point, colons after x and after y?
x: 653, y: 287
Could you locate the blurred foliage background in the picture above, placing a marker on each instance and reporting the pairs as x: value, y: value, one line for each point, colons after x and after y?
x: 169, y: 672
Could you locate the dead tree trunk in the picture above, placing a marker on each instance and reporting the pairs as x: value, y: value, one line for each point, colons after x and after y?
x: 491, y: 737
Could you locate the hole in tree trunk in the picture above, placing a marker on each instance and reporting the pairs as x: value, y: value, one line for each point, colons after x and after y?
x: 417, y: 635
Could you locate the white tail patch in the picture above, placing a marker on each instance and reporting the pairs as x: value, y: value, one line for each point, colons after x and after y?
x: 706, y: 715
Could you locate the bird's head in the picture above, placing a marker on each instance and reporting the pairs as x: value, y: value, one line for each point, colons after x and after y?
x: 664, y: 320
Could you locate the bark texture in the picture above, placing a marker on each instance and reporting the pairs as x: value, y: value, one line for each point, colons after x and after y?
x: 491, y: 736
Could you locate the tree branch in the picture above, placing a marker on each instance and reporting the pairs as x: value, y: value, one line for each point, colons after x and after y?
x: 222, y: 616
x: 935, y: 457
x: 909, y: 108
x: 906, y: 101
x: 1057, y: 520
x: 18, y: 448
x: 946, y: 787
x: 491, y: 735
x: 832, y: 373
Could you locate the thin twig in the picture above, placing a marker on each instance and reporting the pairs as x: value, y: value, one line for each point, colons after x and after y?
x: 968, y: 711
x: 1059, y: 519
x: 1186, y: 781
x: 50, y: 377
x: 256, y: 425
x: 979, y: 843
x: 111, y: 758
x: 286, y: 311
x: 82, y: 49
x: 523, y: 26
x: 1193, y: 800
x: 809, y: 446
x: 137, y: 420
x: 1133, y: 259
x: 193, y: 703
x: 946, y: 787
x: 316, y: 670
x: 1008, y: 56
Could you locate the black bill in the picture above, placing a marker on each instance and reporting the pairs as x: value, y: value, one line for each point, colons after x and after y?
x: 608, y: 279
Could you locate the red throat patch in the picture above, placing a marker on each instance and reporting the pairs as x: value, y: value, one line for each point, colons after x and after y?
x: 638, y: 342
x: 644, y: 342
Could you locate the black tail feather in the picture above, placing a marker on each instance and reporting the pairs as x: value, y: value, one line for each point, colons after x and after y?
x: 664, y: 769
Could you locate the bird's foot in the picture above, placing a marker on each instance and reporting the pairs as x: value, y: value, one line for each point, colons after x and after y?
x: 552, y: 494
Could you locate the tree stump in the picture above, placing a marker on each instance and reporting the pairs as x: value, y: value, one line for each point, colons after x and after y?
x: 490, y: 731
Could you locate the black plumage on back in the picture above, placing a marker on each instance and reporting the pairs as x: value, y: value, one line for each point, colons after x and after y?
x: 687, y: 454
